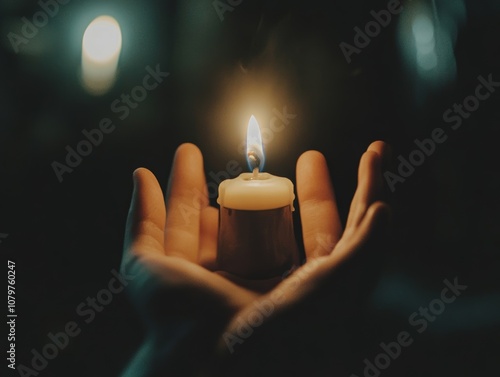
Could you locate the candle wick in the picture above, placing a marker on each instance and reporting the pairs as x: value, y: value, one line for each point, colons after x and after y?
x: 253, y: 158
x: 255, y: 174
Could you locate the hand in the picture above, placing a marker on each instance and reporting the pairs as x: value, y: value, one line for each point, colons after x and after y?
x: 190, y: 310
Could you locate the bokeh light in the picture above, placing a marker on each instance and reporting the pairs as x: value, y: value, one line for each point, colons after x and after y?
x: 101, y: 46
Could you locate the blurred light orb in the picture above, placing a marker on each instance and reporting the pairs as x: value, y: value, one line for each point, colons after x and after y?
x: 426, y: 36
x: 427, y: 61
x: 101, y: 47
x: 423, y: 29
x: 425, y: 42
x: 102, y: 39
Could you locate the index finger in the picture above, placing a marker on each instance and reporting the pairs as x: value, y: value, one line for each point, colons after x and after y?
x: 186, y: 198
x: 321, y: 226
x: 370, y: 182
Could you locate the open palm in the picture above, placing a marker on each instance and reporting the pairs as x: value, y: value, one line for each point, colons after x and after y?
x: 193, y: 311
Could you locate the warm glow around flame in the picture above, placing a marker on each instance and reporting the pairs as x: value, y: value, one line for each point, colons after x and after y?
x: 255, y: 151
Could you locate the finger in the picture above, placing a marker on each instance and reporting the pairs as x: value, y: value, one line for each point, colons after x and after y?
x: 146, y: 217
x: 318, y: 272
x: 209, y: 229
x: 375, y: 220
x: 369, y: 182
x: 381, y: 148
x: 186, y: 198
x: 321, y: 226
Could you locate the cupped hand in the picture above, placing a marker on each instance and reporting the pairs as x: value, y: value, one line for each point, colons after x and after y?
x: 192, y: 312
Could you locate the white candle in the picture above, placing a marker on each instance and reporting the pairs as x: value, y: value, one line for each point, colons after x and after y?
x: 256, y: 194
x: 101, y: 47
x: 255, y: 191
x: 256, y: 239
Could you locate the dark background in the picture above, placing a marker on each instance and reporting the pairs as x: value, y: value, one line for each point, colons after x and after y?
x: 67, y: 237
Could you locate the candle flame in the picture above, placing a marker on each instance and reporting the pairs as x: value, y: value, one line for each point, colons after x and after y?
x: 255, y: 151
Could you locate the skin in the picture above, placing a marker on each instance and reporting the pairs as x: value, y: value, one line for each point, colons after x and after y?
x: 194, y: 314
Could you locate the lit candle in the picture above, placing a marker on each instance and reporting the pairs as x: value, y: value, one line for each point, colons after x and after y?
x: 256, y: 238
x: 101, y: 46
